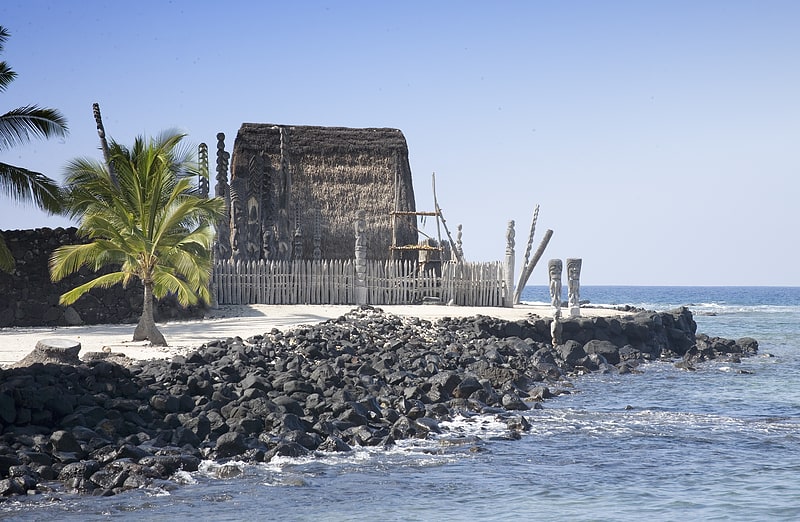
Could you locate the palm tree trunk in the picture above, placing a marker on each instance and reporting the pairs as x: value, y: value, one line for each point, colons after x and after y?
x: 146, y: 329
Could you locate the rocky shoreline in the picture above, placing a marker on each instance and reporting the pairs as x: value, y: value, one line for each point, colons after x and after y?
x: 106, y: 424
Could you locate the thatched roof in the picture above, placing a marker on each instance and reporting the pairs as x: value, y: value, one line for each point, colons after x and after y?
x: 318, y: 178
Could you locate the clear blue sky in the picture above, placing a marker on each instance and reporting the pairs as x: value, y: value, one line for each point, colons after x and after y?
x: 660, y: 138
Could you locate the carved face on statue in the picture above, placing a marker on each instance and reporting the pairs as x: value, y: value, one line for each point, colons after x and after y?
x: 554, y: 268
x: 252, y: 211
x: 574, y: 269
x: 266, y: 244
x: 361, y: 222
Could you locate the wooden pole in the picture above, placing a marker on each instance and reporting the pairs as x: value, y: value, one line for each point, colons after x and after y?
x: 509, y: 266
x: 526, y: 271
x: 101, y: 131
x: 530, y: 235
x: 439, y: 216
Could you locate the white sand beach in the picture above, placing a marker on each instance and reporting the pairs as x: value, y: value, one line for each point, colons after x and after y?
x: 231, y: 321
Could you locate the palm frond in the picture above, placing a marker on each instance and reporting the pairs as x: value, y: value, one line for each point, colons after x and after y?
x: 166, y: 282
x: 195, y: 269
x: 187, y: 212
x: 6, y: 75
x: 21, y: 184
x: 21, y: 125
x: 68, y: 259
x: 85, y: 175
x: 4, y: 34
x: 103, y: 281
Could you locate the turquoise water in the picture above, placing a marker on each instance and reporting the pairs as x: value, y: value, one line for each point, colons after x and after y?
x: 716, y: 444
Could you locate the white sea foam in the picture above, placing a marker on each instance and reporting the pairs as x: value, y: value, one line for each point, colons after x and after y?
x: 184, y: 477
x: 156, y: 492
x: 483, y: 426
x: 228, y: 469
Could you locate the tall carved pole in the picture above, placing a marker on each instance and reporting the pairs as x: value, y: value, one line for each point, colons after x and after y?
x: 508, y: 300
x: 284, y: 198
x: 523, y: 278
x: 258, y: 190
x: 202, y: 188
x: 223, y: 243
x: 554, y: 268
x: 237, y: 220
x: 297, y: 247
x: 202, y: 179
x: 574, y: 286
x: 459, y: 243
x: 361, y: 257
x: 531, y: 234
x: 101, y: 131
x: 317, y: 239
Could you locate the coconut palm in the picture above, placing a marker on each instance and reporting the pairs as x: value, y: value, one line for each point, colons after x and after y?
x: 150, y: 225
x: 19, y: 126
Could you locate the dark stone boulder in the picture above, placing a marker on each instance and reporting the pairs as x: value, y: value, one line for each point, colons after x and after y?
x: 230, y: 444
x: 65, y: 441
x: 447, y: 381
x: 286, y: 449
x: 571, y: 352
x: 108, y: 478
x: 466, y: 387
x: 291, y: 422
x: 749, y: 346
x: 289, y: 405
x: 7, y: 462
x: 607, y: 349
x: 79, y: 470
x: 511, y: 401
x: 540, y: 393
x: 404, y: 428
x: 629, y: 353
x: 518, y: 423
x: 334, y: 444
x: 12, y: 486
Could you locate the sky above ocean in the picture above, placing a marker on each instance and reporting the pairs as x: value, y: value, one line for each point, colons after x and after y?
x: 659, y: 138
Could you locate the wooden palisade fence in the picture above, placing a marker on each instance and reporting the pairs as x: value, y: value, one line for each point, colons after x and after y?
x: 334, y: 282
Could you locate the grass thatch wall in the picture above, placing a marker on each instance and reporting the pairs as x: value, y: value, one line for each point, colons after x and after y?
x: 324, y: 175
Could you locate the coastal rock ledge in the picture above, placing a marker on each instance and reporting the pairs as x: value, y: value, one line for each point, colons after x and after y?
x: 367, y: 378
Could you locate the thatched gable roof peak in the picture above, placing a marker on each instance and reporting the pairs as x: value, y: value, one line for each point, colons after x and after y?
x: 321, y: 140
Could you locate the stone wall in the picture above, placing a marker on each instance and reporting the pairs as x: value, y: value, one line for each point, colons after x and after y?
x: 29, y: 298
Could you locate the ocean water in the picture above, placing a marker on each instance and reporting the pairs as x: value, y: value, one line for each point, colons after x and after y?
x: 721, y: 443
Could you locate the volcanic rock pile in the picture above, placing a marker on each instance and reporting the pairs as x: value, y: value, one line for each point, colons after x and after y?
x: 366, y: 378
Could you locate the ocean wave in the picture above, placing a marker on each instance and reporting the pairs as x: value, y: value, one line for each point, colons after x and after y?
x: 722, y: 299
x: 700, y: 308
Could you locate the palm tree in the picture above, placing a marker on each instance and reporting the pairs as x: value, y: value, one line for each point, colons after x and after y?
x: 150, y: 225
x: 19, y: 126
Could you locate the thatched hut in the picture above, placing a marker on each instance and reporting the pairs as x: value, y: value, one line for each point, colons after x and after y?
x: 295, y: 191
